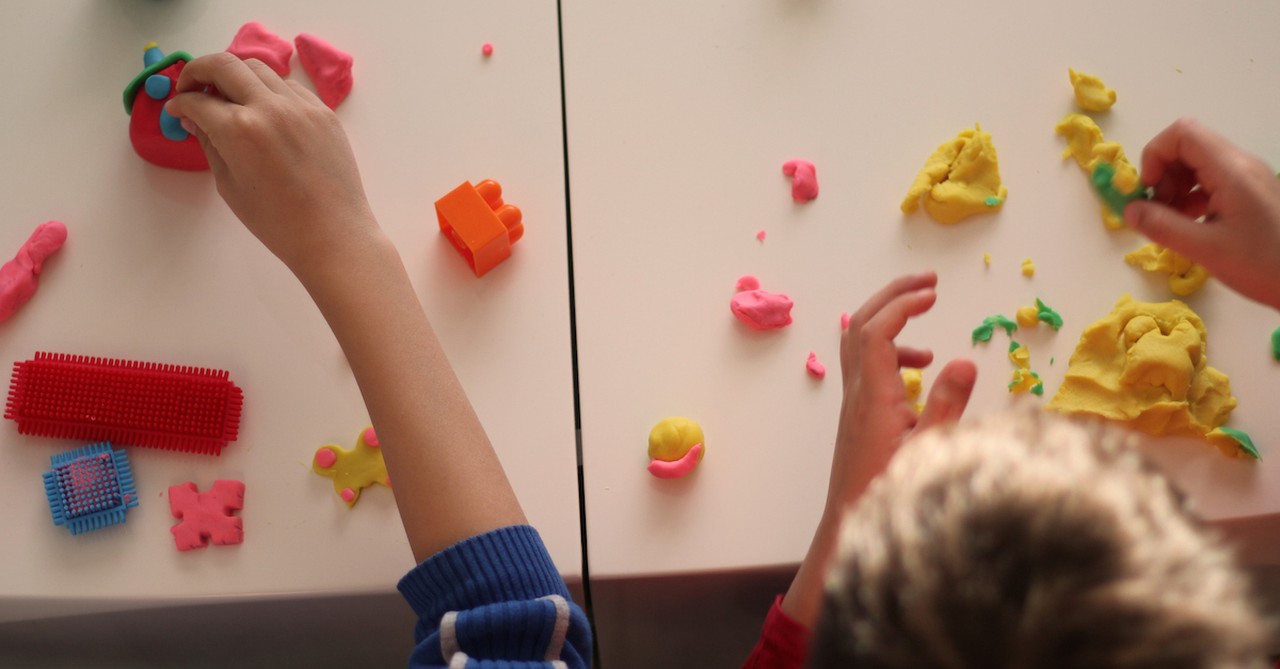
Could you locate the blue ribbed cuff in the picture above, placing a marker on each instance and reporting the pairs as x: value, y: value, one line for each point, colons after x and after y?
x: 507, y: 564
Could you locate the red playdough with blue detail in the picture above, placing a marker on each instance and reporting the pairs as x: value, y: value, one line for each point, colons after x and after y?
x: 158, y: 137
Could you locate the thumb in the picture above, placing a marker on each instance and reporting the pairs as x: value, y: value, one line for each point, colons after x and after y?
x: 950, y: 394
x: 1167, y: 226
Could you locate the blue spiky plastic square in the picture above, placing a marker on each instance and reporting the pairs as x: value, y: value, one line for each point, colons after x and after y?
x: 90, y: 487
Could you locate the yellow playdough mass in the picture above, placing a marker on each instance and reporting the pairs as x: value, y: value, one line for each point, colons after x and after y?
x: 960, y: 179
x: 1145, y: 365
x: 1091, y: 93
x: 1185, y: 276
x: 672, y: 437
x: 912, y: 384
x: 1086, y: 145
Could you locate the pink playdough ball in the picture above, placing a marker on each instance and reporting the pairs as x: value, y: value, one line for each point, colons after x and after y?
x: 325, y: 457
x: 371, y: 438
x: 487, y: 49
x: 348, y: 494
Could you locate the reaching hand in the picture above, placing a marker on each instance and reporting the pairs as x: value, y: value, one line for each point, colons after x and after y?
x: 1197, y: 172
x: 279, y: 155
x: 876, y: 417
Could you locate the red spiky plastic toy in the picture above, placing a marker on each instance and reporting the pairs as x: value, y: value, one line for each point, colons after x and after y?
x: 139, y: 403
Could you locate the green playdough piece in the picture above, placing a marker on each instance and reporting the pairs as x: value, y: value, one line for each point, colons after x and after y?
x: 1047, y: 315
x: 1275, y: 344
x: 131, y: 90
x: 991, y: 201
x: 1013, y: 346
x: 989, y: 324
x: 1246, y: 444
x: 1101, y: 178
x: 1038, y: 389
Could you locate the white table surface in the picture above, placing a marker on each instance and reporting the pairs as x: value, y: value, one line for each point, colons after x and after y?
x: 157, y: 269
x: 680, y: 115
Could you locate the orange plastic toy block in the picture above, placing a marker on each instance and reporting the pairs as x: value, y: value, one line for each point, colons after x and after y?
x: 479, y: 224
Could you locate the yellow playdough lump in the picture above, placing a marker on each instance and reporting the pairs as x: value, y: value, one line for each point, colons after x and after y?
x: 1086, y: 144
x: 1145, y: 365
x: 960, y: 179
x: 913, y: 383
x: 1028, y: 267
x: 672, y: 437
x: 1185, y: 276
x: 1027, y: 317
x: 1091, y: 93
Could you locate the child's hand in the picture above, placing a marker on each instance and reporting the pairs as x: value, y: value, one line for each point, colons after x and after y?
x: 279, y: 155
x: 1197, y: 172
x: 875, y: 417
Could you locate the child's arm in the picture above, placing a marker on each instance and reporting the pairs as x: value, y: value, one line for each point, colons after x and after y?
x: 283, y: 164
x: 874, y: 419
x: 1197, y: 172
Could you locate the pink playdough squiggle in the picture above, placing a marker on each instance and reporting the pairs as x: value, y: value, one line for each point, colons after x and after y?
x: 19, y: 277
x: 804, y: 179
x: 676, y: 468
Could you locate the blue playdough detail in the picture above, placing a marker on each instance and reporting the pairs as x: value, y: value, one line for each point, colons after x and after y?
x: 158, y: 86
x: 171, y: 127
x: 992, y: 201
x: 152, y: 56
x: 90, y: 487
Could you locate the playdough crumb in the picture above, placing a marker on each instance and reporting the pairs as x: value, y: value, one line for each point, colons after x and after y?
x: 804, y: 179
x: 816, y: 369
x: 989, y: 324
x: 1026, y: 317
x: 844, y: 325
x: 960, y: 179
x: 760, y: 309
x: 486, y: 49
x: 1028, y: 267
x: 1234, y: 443
x: 986, y: 259
x: 676, y: 446
x: 1091, y: 93
x: 1144, y: 365
x: 1185, y: 276
x: 912, y: 384
x: 760, y: 236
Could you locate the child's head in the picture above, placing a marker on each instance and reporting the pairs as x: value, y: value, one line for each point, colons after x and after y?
x: 1028, y: 540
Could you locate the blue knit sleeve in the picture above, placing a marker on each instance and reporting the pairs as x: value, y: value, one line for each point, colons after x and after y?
x: 495, y: 601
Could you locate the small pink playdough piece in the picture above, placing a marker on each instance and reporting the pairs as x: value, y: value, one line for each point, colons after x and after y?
x: 325, y: 457
x: 760, y: 309
x: 760, y: 235
x: 844, y: 320
x: 816, y: 369
x: 486, y: 49
x: 255, y: 41
x: 371, y: 438
x: 676, y: 468
x: 19, y: 277
x: 804, y: 179
x: 328, y: 66
x: 349, y: 495
x: 206, y: 516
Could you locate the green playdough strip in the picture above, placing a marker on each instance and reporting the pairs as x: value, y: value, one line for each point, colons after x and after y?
x: 1047, y: 315
x: 1275, y: 344
x: 983, y: 332
x: 1246, y: 444
x: 1101, y: 178
x: 131, y: 90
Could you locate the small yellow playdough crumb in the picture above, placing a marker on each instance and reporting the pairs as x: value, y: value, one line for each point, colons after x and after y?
x: 1226, y: 444
x: 1086, y: 145
x: 1145, y: 365
x: 1028, y: 267
x: 912, y: 382
x: 986, y: 259
x: 1185, y: 276
x: 1023, y: 381
x: 960, y: 179
x: 1020, y: 357
x: 1091, y: 93
x: 1027, y: 317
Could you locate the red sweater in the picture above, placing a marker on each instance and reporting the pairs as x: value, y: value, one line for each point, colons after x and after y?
x: 783, y: 644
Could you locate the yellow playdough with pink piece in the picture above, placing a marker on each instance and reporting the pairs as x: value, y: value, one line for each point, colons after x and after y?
x: 1185, y: 276
x: 960, y: 179
x: 1145, y: 365
x: 675, y: 447
x: 355, y: 469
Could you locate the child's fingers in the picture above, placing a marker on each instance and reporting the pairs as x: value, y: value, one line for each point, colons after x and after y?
x: 900, y: 285
x: 268, y: 76
x: 1169, y: 227
x: 204, y: 110
x: 230, y: 75
x: 950, y: 393
x: 914, y: 358
x: 877, y: 355
x: 1186, y: 141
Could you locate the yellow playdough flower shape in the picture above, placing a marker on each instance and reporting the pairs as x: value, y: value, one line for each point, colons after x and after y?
x: 960, y: 179
x: 1091, y: 93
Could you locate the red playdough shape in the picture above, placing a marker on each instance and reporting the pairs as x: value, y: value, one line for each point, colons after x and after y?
x: 19, y: 277
x: 328, y: 66
x: 206, y: 517
x: 150, y: 143
x: 255, y: 41
x: 804, y: 179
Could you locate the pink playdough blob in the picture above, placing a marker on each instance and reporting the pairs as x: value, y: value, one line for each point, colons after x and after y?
x: 255, y: 41
x: 19, y: 277
x: 486, y: 49
x: 325, y: 457
x: 676, y: 468
x: 747, y: 282
x: 371, y: 438
x: 804, y: 179
x: 816, y: 369
x: 348, y: 495
x: 762, y: 310
x: 328, y: 66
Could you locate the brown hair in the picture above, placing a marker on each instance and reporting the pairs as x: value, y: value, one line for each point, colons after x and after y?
x: 1029, y: 540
